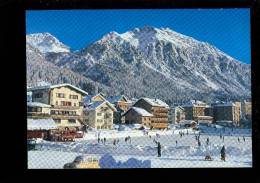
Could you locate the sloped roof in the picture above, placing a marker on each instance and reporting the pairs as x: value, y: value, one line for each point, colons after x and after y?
x: 41, y: 124
x: 115, y: 99
x: 141, y: 111
x: 155, y: 102
x: 96, y: 104
x: 37, y: 104
x: 87, y: 99
x: 57, y: 86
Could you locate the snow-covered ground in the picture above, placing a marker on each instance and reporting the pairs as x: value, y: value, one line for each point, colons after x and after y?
x: 186, y: 153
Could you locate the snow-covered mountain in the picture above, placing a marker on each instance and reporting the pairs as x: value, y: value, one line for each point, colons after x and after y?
x: 40, y: 71
x: 46, y: 42
x: 159, y: 62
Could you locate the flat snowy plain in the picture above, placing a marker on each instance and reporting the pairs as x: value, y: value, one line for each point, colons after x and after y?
x: 185, y: 154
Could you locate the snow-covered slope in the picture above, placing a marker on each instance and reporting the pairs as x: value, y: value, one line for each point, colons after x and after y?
x: 161, y: 63
x: 46, y: 42
x: 39, y: 70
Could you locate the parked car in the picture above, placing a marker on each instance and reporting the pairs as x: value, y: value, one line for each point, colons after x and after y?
x: 83, y: 162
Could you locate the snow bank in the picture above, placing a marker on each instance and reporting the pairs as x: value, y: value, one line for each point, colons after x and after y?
x: 108, y: 161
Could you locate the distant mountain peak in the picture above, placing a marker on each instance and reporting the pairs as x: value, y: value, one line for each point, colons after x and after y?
x: 46, y: 42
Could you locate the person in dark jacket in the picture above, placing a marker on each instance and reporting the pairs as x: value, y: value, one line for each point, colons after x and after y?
x: 223, y: 153
x: 159, y: 149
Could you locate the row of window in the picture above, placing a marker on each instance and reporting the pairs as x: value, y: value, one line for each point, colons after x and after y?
x: 70, y: 113
x: 34, y: 109
x: 62, y: 95
x: 67, y: 103
x: 69, y: 120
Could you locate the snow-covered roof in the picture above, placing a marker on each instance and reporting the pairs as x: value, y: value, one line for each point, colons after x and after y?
x: 195, y: 103
x: 95, y: 105
x: 115, y: 99
x: 41, y: 124
x: 87, y: 99
x: 57, y: 86
x: 224, y: 121
x: 225, y: 104
x: 155, y: 102
x: 37, y: 104
x: 140, y: 111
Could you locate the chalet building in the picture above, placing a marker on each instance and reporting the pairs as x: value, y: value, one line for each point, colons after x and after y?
x: 122, y: 104
x: 229, y: 111
x: 138, y: 115
x: 65, y: 101
x: 99, y: 115
x: 158, y: 109
x: 193, y: 109
x: 176, y: 114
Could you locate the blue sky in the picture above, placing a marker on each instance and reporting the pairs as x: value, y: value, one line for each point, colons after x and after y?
x: 227, y: 29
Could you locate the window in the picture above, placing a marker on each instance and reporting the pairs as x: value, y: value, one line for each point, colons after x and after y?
x: 73, y: 96
x: 57, y: 103
x: 57, y: 120
x: 39, y: 109
x: 99, y: 120
x: 60, y: 95
x: 64, y: 103
x: 38, y: 95
x: 80, y: 103
x: 75, y: 104
x: 71, y: 120
x: 99, y: 114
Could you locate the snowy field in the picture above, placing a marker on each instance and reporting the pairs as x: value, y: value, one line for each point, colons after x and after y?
x: 186, y: 153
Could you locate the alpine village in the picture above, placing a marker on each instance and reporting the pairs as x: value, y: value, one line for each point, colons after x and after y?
x: 63, y: 112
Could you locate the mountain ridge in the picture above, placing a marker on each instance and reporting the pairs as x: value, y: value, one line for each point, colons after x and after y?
x: 188, y: 67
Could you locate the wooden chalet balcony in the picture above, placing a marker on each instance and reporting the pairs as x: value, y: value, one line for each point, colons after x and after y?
x: 63, y: 116
x: 162, y: 115
x: 160, y: 110
x: 66, y: 107
x: 159, y: 125
x: 159, y: 120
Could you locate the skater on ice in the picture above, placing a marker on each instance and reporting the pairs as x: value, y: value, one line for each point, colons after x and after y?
x: 159, y: 149
x: 223, y: 153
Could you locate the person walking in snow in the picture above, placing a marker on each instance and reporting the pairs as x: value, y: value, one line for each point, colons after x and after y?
x: 98, y: 139
x: 199, y: 144
x: 244, y: 139
x: 105, y: 140
x: 223, y: 153
x: 223, y: 138
x: 114, y: 142
x: 238, y: 139
x: 117, y: 141
x: 159, y: 149
x: 207, y: 142
x: 176, y: 143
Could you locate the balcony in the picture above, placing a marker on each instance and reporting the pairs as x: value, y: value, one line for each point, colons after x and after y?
x: 38, y: 115
x: 66, y: 107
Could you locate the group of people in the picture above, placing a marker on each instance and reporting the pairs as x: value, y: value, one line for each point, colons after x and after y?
x: 102, y: 140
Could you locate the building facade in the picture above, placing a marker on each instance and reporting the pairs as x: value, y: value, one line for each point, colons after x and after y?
x: 193, y: 109
x: 122, y: 104
x: 228, y: 112
x: 177, y: 114
x: 158, y: 109
x: 99, y: 115
x: 65, y: 101
x: 138, y: 115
